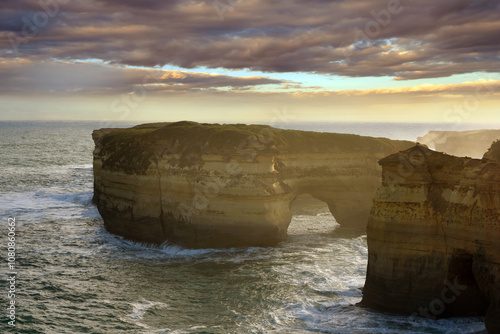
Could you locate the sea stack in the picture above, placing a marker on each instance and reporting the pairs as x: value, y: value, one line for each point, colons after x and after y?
x: 211, y: 185
x: 433, y: 237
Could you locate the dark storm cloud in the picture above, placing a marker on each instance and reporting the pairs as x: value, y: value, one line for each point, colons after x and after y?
x: 402, y: 38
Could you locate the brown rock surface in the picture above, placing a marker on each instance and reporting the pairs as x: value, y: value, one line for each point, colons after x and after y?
x: 206, y: 185
x: 434, y: 237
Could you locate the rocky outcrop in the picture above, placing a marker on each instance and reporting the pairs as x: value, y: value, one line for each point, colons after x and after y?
x: 460, y: 143
x: 203, y: 185
x: 434, y: 237
x: 493, y: 152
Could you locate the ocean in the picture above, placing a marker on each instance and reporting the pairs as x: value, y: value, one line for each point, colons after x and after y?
x: 72, y: 276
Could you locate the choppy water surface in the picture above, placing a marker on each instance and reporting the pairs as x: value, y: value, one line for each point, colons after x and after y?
x: 74, y: 277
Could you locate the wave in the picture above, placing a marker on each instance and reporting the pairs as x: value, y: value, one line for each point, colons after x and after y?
x: 172, y: 251
x: 83, y: 198
x: 84, y: 166
x: 139, y: 309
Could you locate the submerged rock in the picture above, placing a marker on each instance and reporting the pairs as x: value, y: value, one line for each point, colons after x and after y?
x: 434, y: 237
x: 211, y: 185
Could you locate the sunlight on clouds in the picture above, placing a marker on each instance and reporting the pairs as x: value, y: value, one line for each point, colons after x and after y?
x: 165, y: 59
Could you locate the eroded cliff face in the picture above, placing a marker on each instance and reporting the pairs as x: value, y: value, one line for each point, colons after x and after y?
x: 472, y: 143
x: 434, y: 237
x: 203, y: 185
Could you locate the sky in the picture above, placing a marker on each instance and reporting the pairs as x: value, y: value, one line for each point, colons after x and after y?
x: 251, y: 61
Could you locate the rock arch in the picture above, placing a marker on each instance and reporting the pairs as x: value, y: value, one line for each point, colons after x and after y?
x: 210, y: 185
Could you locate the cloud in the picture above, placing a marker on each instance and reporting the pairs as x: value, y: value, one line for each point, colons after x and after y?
x: 23, y: 76
x: 482, y: 88
x: 400, y: 38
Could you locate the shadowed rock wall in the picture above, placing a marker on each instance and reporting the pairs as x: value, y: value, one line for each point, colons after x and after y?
x: 434, y: 237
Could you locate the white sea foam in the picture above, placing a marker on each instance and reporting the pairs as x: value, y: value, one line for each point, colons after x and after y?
x: 190, y: 330
x: 83, y: 166
x: 139, y: 309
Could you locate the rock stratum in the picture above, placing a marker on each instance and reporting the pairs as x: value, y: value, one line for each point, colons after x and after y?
x: 460, y: 143
x: 210, y: 185
x: 434, y: 236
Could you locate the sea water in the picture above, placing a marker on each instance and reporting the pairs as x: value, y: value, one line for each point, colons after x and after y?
x: 72, y: 276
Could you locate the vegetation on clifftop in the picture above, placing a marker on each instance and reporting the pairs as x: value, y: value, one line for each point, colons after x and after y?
x: 134, y: 149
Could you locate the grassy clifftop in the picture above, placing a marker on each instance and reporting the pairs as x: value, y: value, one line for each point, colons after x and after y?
x: 135, y: 148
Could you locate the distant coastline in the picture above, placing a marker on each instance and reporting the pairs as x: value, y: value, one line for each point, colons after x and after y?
x: 396, y: 130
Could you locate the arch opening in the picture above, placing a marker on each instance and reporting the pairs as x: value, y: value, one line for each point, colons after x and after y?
x: 310, y: 215
x: 461, y: 281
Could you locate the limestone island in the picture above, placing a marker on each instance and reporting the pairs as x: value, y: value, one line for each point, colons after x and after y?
x: 211, y: 185
x: 434, y: 236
